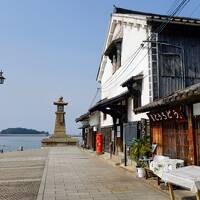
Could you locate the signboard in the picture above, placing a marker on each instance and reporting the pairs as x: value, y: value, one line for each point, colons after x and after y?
x: 196, y: 109
x: 118, y: 131
x: 112, y: 136
x: 130, y: 132
x: 143, y: 127
x: 170, y: 114
x: 94, y: 128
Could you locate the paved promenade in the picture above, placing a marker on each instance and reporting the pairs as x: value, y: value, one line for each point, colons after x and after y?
x: 21, y: 174
x: 71, y: 174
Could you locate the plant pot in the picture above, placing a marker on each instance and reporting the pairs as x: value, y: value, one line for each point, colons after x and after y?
x: 145, y: 157
x: 141, y: 172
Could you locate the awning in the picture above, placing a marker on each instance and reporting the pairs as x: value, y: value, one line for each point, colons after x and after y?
x: 84, y: 126
x: 185, y: 96
x: 132, y: 80
x: 111, y: 106
x: 112, y: 46
x: 134, y: 85
x: 83, y: 117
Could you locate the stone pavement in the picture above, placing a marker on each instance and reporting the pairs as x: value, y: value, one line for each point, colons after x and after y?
x: 21, y: 174
x: 71, y: 174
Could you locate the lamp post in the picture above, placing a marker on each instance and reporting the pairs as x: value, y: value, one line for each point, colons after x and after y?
x: 2, y: 78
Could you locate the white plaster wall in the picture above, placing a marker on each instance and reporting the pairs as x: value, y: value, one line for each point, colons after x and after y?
x: 118, y: 31
x: 134, y: 33
x: 106, y: 75
x: 131, y: 115
x: 94, y: 119
x: 130, y: 108
x: 107, y: 122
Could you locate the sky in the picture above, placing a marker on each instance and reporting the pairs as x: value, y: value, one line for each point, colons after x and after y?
x: 52, y: 48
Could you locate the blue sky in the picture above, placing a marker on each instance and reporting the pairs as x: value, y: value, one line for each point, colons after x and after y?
x: 50, y: 48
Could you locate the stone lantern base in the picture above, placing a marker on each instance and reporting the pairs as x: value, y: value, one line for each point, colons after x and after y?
x: 59, y: 137
x: 55, y: 141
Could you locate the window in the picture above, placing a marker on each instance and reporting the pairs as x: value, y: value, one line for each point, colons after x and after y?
x: 137, y: 102
x: 104, y: 116
x: 114, y: 54
x: 171, y: 65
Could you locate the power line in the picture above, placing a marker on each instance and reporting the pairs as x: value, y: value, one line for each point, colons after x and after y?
x: 126, y: 63
x: 195, y: 9
x: 159, y: 29
x: 138, y: 64
x: 174, y: 4
x: 95, y: 96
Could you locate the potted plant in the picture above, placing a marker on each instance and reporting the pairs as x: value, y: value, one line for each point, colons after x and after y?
x: 140, y: 165
x: 138, y: 151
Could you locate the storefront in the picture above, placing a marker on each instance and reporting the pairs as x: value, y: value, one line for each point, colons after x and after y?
x: 175, y: 124
x: 116, y: 107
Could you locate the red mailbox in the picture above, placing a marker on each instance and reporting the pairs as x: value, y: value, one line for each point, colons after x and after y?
x: 99, y: 143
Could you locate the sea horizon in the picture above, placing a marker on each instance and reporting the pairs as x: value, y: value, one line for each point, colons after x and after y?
x: 14, y: 142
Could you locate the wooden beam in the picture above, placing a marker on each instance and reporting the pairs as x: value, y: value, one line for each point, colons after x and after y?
x: 111, y: 113
x: 118, y: 107
x: 171, y: 191
x: 191, y: 138
x: 198, y: 195
x: 115, y: 134
x: 133, y: 92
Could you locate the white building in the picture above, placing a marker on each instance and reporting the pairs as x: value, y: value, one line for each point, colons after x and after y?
x: 124, y: 58
x: 142, y: 61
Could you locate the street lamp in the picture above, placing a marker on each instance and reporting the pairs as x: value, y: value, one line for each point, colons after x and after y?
x: 2, y: 78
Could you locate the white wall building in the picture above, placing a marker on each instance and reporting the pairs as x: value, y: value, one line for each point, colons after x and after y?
x: 125, y: 56
x: 142, y: 62
x: 132, y: 31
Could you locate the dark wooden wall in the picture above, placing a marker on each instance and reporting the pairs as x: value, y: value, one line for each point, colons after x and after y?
x: 106, y: 137
x: 90, y: 138
x: 157, y: 137
x: 172, y: 74
x: 197, y: 138
x: 172, y: 139
x: 175, y: 140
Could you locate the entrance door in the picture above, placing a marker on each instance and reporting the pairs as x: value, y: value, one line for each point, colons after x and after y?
x: 156, y: 131
x: 175, y: 140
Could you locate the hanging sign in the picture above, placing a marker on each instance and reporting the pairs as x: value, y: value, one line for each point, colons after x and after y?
x: 170, y: 114
x: 118, y: 131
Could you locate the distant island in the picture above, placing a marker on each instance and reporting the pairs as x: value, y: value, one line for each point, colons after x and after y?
x: 22, y: 131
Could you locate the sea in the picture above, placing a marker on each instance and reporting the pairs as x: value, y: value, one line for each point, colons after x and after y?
x: 15, y: 142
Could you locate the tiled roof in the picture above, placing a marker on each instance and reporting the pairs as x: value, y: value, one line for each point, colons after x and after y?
x: 158, y: 17
x: 188, y: 95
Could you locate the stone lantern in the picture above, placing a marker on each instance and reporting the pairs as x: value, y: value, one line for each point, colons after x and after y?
x: 60, y: 129
x: 59, y: 136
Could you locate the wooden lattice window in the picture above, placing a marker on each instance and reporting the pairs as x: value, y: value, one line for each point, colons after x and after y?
x: 171, y: 65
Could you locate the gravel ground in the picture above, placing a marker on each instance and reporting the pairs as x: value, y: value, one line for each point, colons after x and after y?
x: 21, y: 173
x: 19, y: 190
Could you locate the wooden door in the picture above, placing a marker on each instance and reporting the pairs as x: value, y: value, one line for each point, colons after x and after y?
x: 182, y: 141
x: 169, y: 139
x: 175, y: 140
x: 156, y: 133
